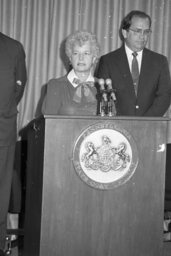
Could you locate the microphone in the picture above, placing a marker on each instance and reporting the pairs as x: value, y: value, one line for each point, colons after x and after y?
x: 102, y: 89
x: 110, y: 89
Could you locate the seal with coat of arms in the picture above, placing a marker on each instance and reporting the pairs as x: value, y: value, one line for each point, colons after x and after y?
x: 105, y: 155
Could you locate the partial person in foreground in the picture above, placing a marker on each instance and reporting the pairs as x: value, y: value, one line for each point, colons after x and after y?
x: 75, y: 93
x: 140, y: 77
x: 12, y: 84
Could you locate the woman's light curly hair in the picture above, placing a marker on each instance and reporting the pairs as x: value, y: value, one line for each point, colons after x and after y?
x: 80, y: 38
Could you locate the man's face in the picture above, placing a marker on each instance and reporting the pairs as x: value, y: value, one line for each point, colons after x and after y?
x: 137, y: 35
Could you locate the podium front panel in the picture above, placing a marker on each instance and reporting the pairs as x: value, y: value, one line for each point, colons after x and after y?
x: 79, y: 219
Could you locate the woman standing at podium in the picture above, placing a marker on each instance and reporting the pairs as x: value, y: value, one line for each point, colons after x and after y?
x: 75, y: 93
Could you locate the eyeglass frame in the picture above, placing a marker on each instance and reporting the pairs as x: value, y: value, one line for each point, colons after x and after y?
x: 139, y: 31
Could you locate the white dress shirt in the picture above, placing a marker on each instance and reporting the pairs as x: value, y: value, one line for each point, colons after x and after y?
x: 130, y: 57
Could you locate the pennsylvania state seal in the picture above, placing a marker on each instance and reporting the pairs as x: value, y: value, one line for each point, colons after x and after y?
x: 105, y: 155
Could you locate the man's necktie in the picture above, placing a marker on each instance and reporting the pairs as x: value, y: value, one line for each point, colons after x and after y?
x: 135, y: 71
x: 83, y: 91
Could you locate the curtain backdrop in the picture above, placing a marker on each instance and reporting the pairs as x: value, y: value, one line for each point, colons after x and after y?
x: 42, y: 26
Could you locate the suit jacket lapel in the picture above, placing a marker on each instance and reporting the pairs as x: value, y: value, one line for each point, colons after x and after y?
x: 125, y: 70
x: 145, y: 71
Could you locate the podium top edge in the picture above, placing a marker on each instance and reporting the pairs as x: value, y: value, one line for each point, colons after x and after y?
x: 109, y: 118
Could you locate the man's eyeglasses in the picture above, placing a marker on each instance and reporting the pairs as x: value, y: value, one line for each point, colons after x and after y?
x: 138, y: 31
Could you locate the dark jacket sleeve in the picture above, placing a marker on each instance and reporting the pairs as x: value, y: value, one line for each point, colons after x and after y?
x: 20, y: 73
x: 162, y: 98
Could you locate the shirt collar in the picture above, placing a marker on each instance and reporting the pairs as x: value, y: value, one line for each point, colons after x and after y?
x: 71, y: 75
x: 129, y: 52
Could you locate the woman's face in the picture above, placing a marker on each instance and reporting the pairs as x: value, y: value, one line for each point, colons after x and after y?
x: 82, y: 58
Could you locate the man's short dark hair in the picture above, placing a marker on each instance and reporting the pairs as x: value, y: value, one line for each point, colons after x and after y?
x: 126, y: 22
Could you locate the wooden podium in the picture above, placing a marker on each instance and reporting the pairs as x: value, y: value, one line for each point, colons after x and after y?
x: 67, y: 216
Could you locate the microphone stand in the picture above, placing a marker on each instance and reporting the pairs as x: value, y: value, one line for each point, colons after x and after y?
x: 111, y: 103
x: 103, y: 102
x: 107, y: 99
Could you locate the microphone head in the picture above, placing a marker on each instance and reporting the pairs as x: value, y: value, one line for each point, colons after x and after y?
x: 109, y: 83
x: 101, y: 83
x: 110, y: 89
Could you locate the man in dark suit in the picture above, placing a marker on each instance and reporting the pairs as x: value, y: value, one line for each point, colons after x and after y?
x: 12, y: 83
x: 142, y: 86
